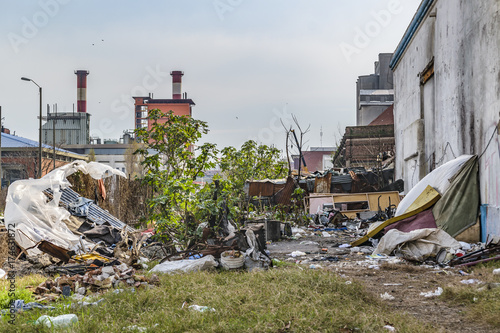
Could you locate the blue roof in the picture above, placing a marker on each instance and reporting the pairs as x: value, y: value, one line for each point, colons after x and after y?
x: 422, y: 11
x: 12, y: 141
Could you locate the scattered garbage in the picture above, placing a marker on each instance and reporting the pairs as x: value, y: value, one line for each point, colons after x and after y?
x: 62, y: 321
x: 390, y: 328
x: 19, y: 306
x: 138, y: 328
x: 496, y: 271
x: 297, y: 254
x: 345, y: 245
x: 470, y: 281
x: 201, y: 308
x: 437, y: 292
x: 308, y: 243
x: 386, y: 296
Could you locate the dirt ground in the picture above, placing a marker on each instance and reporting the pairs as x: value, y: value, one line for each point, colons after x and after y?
x: 402, y: 280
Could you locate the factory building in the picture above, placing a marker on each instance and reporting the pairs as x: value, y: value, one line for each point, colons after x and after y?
x: 70, y: 128
x: 179, y: 103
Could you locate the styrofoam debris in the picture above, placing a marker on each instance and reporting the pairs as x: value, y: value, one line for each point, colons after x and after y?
x: 308, y: 243
x: 296, y: 254
x: 465, y: 246
x: 437, y: 292
x: 386, y: 296
x: 470, y: 281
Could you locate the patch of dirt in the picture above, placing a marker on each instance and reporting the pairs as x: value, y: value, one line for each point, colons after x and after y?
x: 404, y: 281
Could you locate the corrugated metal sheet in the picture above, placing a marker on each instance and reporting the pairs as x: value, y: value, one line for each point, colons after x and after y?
x: 96, y: 214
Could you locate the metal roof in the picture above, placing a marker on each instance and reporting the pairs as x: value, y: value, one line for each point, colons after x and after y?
x: 12, y: 141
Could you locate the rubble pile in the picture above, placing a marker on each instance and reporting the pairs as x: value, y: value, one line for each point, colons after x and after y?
x: 119, y: 276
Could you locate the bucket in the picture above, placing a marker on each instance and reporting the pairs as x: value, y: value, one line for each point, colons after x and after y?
x: 232, y: 259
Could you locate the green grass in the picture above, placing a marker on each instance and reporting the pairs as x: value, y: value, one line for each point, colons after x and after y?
x: 482, y: 303
x: 6, y: 297
x: 310, y: 300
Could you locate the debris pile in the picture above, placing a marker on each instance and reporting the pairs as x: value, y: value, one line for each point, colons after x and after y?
x: 119, y: 276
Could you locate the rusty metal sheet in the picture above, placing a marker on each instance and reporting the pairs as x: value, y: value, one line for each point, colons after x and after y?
x: 263, y: 189
x: 54, y: 250
x: 284, y: 196
x: 323, y: 184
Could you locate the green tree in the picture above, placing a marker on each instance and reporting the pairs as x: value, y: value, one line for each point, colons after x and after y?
x: 172, y: 170
x: 251, y: 162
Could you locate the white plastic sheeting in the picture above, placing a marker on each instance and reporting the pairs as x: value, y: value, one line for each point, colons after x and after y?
x: 34, y: 218
x: 439, y: 179
x: 417, y: 244
x: 185, y: 266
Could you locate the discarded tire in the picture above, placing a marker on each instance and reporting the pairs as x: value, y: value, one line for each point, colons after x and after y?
x: 232, y: 259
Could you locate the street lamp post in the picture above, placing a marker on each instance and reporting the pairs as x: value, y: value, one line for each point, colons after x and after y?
x: 39, y: 130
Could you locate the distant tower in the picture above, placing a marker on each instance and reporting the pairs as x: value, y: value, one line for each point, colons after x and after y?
x: 321, y: 136
x: 81, y: 90
x: 176, y: 84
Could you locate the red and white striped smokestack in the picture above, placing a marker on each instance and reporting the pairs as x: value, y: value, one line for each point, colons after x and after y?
x: 81, y: 90
x: 176, y: 84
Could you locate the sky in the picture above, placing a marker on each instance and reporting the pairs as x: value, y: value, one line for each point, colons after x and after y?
x: 247, y: 63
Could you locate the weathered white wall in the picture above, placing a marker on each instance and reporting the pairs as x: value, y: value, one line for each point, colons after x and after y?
x: 460, y: 106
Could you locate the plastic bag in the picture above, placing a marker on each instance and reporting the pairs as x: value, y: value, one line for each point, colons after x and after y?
x: 184, y: 266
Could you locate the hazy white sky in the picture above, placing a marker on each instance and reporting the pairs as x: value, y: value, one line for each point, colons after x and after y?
x: 246, y: 63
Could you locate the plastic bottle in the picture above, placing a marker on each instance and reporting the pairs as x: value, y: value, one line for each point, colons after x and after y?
x: 59, y: 321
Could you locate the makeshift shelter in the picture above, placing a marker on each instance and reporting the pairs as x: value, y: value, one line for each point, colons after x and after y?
x: 458, y: 209
x: 446, y: 199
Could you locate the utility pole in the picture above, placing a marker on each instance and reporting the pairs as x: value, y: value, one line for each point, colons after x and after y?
x: 39, y: 129
x: 53, y: 137
x: 1, y: 131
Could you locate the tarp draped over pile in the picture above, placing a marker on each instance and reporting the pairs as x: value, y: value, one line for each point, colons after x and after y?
x: 439, y: 179
x: 457, y: 209
x: 34, y: 218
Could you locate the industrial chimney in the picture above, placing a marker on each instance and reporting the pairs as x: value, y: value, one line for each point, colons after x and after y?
x: 176, y: 84
x: 81, y: 90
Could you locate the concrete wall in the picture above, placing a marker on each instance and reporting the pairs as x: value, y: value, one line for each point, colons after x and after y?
x: 382, y: 79
x: 456, y: 111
